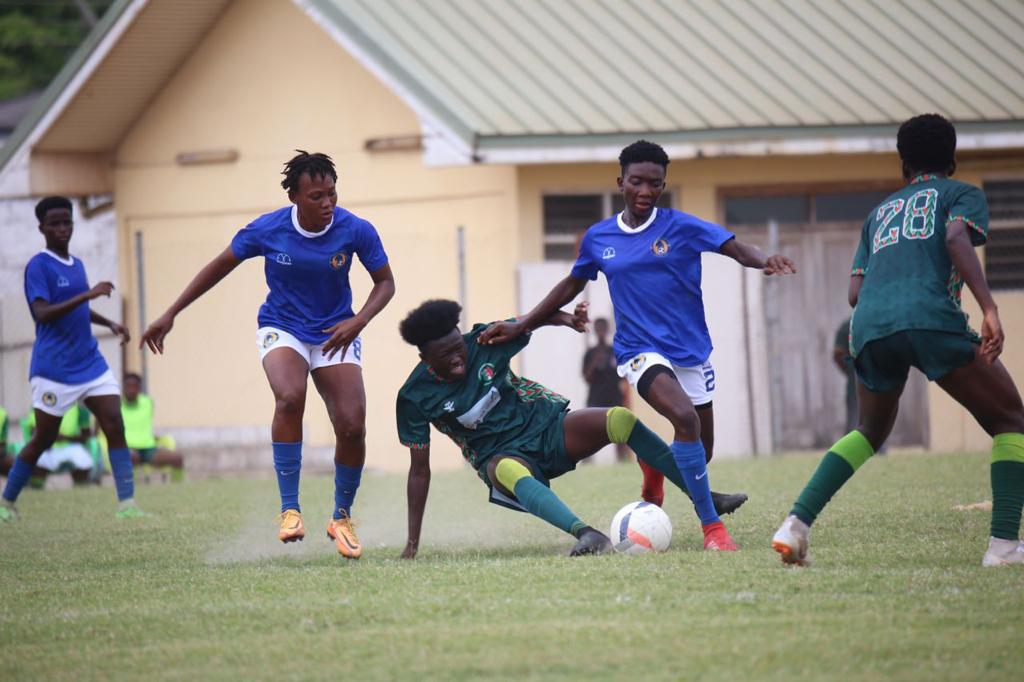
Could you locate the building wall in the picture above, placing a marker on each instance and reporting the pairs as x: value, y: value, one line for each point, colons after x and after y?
x: 698, y: 184
x: 264, y: 82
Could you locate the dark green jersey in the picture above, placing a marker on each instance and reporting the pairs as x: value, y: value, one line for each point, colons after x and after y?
x: 490, y: 411
x: 909, y: 279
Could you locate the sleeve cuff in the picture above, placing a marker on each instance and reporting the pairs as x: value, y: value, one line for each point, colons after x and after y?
x: 415, y: 446
x: 858, y: 272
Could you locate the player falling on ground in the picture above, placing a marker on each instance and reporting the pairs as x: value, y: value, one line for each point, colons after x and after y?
x: 651, y: 258
x: 307, y: 326
x: 66, y: 362
x: 515, y: 433
x: 915, y: 253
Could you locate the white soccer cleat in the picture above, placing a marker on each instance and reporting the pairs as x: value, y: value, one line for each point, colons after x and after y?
x: 1003, y: 552
x: 791, y: 541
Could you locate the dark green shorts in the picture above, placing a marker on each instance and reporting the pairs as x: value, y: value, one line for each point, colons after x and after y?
x: 146, y: 455
x: 546, y: 457
x: 883, y: 364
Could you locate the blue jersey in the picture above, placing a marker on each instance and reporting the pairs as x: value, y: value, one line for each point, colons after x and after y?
x: 653, y: 274
x: 307, y: 272
x: 65, y: 350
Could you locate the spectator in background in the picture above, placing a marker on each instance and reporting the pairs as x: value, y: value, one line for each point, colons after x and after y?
x: 607, y: 388
x: 137, y: 412
x: 844, y: 361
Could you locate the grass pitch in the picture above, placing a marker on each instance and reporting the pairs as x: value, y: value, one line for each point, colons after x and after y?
x: 204, y: 591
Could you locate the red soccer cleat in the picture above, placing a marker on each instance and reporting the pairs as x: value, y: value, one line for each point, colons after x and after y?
x: 716, y: 538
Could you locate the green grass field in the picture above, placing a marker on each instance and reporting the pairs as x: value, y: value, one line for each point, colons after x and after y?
x: 204, y: 591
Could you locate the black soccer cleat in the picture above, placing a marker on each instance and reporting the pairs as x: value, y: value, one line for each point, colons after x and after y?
x: 726, y: 503
x: 591, y: 542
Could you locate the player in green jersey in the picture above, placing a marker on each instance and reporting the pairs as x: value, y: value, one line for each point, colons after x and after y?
x: 916, y: 253
x: 515, y: 433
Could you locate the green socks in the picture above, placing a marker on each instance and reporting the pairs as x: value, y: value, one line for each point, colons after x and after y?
x: 838, y: 465
x: 624, y: 427
x: 1007, y: 484
x: 537, y: 498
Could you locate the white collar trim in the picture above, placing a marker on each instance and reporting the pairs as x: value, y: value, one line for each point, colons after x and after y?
x: 306, y: 233
x: 69, y: 261
x: 640, y: 228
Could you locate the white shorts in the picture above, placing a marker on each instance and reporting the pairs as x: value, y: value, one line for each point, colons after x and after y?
x: 53, y: 397
x: 269, y: 338
x: 73, y: 454
x: 698, y: 382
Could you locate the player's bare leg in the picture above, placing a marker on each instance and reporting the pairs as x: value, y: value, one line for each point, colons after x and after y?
x: 107, y: 409
x: 877, y: 415
x: 341, y: 387
x: 47, y: 430
x: 989, y: 394
x: 286, y: 373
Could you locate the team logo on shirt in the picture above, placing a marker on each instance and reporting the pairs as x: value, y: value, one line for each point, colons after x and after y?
x: 486, y: 373
x: 63, y: 281
x: 283, y: 259
x: 338, y: 261
x: 636, y: 363
x: 49, y: 399
x: 609, y: 252
x: 660, y: 247
x: 449, y: 406
x: 270, y: 339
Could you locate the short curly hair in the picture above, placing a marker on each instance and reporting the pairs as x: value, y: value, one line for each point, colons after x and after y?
x: 641, y: 151
x: 927, y: 143
x: 430, y: 321
x: 317, y: 165
x: 48, y: 204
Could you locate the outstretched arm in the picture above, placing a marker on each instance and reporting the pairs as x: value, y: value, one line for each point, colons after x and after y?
x: 346, y: 331
x: 118, y: 329
x: 749, y: 256
x: 416, y: 492
x: 563, y: 292
x: 213, y: 272
x: 965, y: 260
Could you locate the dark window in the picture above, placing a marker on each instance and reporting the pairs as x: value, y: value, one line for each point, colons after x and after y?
x: 846, y: 206
x: 791, y: 208
x: 1004, y: 253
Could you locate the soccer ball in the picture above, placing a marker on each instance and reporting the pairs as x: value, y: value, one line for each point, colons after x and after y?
x: 641, y: 527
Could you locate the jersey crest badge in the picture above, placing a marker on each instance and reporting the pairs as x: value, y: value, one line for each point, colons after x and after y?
x: 338, y: 261
x: 486, y: 373
x: 660, y: 247
x: 636, y: 363
x: 49, y: 399
x: 609, y: 252
x: 270, y: 339
x: 63, y: 281
x: 449, y: 406
x: 283, y: 259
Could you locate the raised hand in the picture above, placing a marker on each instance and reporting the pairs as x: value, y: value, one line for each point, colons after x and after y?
x: 779, y: 265
x: 500, y: 332
x: 155, y: 333
x: 101, y: 289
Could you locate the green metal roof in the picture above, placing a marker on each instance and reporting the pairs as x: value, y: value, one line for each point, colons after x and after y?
x: 546, y: 69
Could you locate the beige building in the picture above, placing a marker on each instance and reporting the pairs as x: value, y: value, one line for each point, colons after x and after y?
x: 480, y: 137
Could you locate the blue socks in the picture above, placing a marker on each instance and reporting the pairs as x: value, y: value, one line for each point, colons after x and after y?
x: 693, y: 465
x: 17, y: 477
x: 124, y: 477
x: 346, y: 483
x: 287, y: 464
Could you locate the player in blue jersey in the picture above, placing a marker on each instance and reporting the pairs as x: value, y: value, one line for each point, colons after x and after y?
x: 66, y: 362
x: 307, y: 327
x: 651, y: 259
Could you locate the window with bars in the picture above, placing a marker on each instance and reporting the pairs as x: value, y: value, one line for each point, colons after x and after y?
x: 1004, y: 253
x: 824, y: 207
x: 567, y: 216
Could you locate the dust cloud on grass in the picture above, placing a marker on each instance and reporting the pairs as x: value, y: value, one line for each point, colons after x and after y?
x: 450, y: 524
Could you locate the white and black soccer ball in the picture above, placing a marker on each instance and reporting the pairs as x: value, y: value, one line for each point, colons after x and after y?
x: 641, y: 527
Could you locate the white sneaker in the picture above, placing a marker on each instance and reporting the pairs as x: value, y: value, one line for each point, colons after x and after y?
x: 1003, y: 552
x: 791, y: 541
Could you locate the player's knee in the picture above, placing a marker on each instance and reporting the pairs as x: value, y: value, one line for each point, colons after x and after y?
x: 619, y: 424
x: 509, y: 472
x: 290, y: 402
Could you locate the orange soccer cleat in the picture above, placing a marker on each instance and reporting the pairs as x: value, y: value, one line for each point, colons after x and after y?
x: 291, y: 528
x: 343, y: 532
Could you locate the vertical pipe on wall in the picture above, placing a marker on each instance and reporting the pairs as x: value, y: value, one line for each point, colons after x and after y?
x: 460, y: 242
x: 140, y: 294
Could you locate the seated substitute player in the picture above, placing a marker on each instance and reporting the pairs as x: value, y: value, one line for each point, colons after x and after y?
x: 66, y: 363
x: 70, y: 452
x: 517, y: 434
x: 307, y: 328
x: 651, y: 258
x: 916, y: 252
x: 137, y: 412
